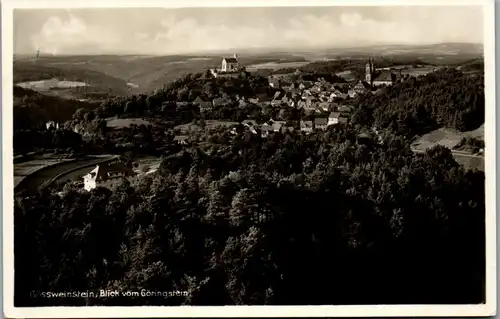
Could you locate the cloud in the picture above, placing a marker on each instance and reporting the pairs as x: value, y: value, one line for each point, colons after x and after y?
x: 174, y: 31
x: 409, y: 25
x: 59, y: 35
x: 351, y: 19
x: 141, y: 35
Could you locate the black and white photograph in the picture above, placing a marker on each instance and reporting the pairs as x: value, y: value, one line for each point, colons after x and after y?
x: 242, y: 154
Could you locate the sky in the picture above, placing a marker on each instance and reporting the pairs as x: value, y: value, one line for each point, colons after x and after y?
x: 198, y: 30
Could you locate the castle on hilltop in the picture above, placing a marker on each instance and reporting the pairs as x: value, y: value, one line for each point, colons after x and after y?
x: 230, y: 64
x: 230, y: 67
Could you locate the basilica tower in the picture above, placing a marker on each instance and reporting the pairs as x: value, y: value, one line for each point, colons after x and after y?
x: 369, y: 68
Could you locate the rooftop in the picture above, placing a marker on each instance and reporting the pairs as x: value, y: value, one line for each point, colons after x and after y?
x: 384, y: 76
x: 102, y: 171
x: 334, y: 115
x: 364, y: 84
x: 231, y: 60
x: 320, y: 121
x: 345, y: 109
x: 305, y: 124
x: 180, y: 138
x: 342, y: 119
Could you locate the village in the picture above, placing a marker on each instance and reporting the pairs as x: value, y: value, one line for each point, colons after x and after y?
x: 323, y: 103
x: 320, y: 103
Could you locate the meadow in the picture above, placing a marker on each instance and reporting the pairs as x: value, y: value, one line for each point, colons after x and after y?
x: 209, y: 124
x: 117, y: 123
x: 445, y: 137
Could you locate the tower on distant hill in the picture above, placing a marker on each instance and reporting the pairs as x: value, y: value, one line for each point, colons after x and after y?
x: 369, y: 69
x: 37, y: 53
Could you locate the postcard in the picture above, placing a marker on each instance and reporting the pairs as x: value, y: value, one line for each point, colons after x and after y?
x: 248, y: 159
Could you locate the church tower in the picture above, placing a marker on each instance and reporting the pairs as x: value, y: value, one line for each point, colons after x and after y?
x: 369, y: 68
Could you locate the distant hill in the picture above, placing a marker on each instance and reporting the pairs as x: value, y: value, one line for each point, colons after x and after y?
x: 33, y: 109
x: 472, y: 66
x: 442, y: 53
x: 127, y: 74
x: 440, y: 48
x: 122, y: 75
x: 98, y: 85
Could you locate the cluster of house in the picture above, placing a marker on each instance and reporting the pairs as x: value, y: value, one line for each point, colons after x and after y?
x: 340, y: 115
x: 309, y: 95
x: 321, y: 90
x: 312, y: 96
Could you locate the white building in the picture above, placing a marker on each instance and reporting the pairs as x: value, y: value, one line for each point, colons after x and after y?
x: 52, y: 125
x: 230, y: 64
x: 333, y: 118
x: 106, y: 175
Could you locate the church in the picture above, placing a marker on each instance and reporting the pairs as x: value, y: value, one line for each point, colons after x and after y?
x: 376, y: 77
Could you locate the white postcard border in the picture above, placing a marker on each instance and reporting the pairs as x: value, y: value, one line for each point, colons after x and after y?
x: 487, y: 309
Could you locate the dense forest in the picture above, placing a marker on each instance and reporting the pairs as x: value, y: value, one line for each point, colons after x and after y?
x: 32, y: 109
x: 328, y: 218
x: 446, y: 98
x: 332, y: 217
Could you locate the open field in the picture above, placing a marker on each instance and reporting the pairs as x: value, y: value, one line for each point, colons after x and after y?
x: 209, y: 124
x: 24, y: 169
x: 33, y: 179
x: 419, y: 71
x: 450, y: 138
x: 470, y: 162
x: 275, y: 65
x: 445, y: 137
x: 116, y: 123
x: 43, y: 85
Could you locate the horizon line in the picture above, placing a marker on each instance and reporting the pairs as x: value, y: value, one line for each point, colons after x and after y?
x: 267, y: 50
